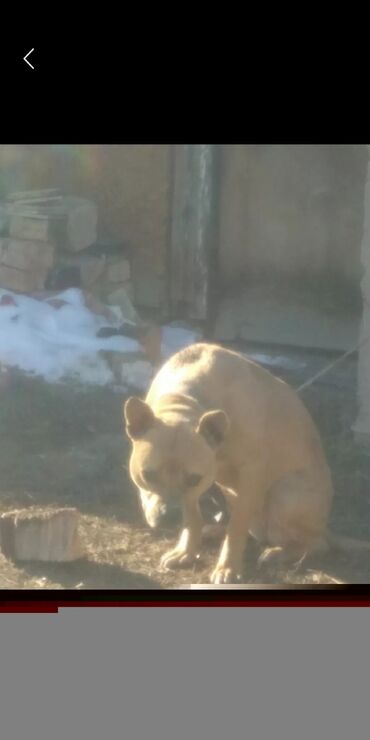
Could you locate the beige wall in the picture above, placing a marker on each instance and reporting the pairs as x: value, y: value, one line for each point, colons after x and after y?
x: 292, y: 210
x: 284, y: 211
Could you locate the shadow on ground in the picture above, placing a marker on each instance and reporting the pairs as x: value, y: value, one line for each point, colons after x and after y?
x: 87, y: 574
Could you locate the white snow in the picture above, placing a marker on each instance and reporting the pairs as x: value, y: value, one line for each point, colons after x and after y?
x: 56, y: 343
x: 60, y: 343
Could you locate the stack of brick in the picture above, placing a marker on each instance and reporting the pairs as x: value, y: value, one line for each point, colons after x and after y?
x: 36, y: 226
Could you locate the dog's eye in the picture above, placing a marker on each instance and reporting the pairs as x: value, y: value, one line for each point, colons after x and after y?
x: 150, y: 476
x: 193, y: 480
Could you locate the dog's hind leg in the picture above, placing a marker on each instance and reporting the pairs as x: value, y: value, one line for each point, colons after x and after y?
x: 297, y: 510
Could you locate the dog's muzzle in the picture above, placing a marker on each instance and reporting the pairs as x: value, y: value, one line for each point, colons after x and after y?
x: 157, y: 512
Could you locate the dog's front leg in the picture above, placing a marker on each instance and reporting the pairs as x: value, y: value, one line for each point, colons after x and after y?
x: 243, y: 504
x: 188, y: 546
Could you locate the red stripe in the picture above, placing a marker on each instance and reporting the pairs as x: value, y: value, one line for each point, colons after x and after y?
x: 53, y: 607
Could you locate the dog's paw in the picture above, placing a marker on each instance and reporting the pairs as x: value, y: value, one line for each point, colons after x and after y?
x: 293, y: 557
x: 177, y: 558
x: 223, y: 574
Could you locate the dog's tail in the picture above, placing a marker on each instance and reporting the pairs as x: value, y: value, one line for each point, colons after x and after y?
x: 346, y: 544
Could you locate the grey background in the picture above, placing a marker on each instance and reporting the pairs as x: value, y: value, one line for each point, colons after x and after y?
x: 176, y: 674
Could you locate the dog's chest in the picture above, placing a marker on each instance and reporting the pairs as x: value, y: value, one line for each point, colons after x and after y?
x: 238, y: 451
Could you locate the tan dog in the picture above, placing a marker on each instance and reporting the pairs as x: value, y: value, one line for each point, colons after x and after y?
x: 212, y: 415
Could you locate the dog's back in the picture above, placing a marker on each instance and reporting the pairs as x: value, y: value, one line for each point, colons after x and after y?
x: 267, y: 417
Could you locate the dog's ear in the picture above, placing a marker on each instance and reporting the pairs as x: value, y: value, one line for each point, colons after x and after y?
x: 214, y: 425
x: 139, y: 417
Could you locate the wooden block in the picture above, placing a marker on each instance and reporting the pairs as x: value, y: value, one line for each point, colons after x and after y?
x: 42, y: 201
x: 121, y: 297
x: 100, y: 309
x: 151, y: 340
x: 29, y: 227
x: 71, y: 223
x: 44, y: 535
x: 118, y: 270
x: 80, y: 224
x: 34, y: 194
x: 26, y: 255
x: 22, y: 281
x: 91, y: 268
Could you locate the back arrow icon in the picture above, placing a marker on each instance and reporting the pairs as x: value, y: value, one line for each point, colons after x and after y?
x: 25, y: 59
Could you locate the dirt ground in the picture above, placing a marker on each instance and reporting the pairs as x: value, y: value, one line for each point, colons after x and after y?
x: 63, y: 446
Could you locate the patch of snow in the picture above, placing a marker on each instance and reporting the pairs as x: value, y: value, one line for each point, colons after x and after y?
x: 55, y: 338
x: 56, y: 343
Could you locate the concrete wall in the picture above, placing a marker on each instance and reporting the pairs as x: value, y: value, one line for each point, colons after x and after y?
x: 361, y: 427
x: 130, y: 184
x: 292, y: 210
x: 286, y: 211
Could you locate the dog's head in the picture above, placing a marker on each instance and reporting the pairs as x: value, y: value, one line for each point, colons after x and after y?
x: 171, y: 461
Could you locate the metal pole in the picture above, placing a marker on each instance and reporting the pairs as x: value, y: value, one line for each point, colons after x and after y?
x: 194, y: 230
